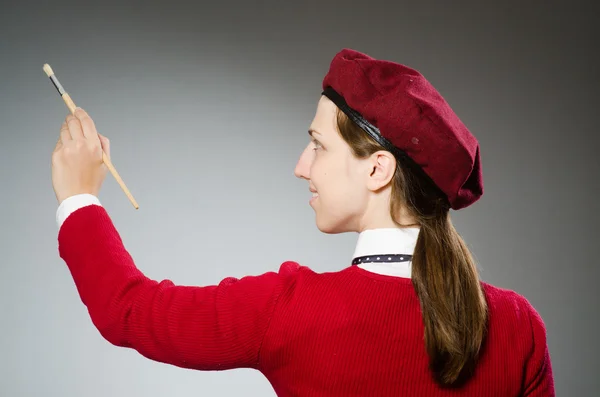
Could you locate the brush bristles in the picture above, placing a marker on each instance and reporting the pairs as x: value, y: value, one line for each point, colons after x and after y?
x: 48, y: 70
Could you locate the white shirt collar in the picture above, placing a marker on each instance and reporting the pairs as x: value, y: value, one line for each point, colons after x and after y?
x: 387, y: 241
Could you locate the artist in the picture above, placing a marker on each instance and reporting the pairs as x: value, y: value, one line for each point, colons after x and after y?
x: 387, y: 159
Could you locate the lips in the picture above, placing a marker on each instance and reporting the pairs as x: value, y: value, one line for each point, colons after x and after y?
x: 315, y: 195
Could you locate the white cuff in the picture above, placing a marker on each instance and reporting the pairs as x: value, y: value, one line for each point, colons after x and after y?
x: 73, y: 203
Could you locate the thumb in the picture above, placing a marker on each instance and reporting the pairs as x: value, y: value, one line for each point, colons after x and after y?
x: 105, y: 143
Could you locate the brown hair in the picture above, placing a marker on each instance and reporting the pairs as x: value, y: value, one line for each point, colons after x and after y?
x: 444, y: 273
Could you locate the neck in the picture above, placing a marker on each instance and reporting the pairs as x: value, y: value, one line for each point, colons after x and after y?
x: 377, y: 216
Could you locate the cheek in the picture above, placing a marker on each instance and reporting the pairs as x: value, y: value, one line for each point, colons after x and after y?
x: 337, y: 181
x: 353, y: 189
x: 334, y: 185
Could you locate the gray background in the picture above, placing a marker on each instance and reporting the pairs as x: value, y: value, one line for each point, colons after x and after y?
x: 207, y: 108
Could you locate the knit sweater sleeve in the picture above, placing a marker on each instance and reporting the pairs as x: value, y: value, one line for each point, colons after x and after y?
x: 539, y: 381
x: 209, y: 328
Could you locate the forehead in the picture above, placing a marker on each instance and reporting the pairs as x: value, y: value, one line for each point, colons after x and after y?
x: 325, y: 117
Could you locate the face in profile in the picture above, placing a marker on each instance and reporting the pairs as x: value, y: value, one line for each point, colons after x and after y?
x: 335, y: 177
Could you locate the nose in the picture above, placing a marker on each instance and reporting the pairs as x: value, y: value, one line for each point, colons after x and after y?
x: 302, y: 169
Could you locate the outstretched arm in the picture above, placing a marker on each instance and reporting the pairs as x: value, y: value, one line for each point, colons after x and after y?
x: 209, y: 328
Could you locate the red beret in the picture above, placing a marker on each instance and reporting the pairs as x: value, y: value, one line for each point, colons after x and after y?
x: 402, y: 111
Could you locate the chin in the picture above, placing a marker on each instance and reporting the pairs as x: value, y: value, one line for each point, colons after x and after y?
x: 332, y: 227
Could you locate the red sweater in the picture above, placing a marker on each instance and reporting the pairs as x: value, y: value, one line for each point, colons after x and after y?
x: 346, y: 333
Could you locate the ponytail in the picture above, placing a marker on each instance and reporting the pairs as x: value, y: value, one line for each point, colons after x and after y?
x: 452, y: 301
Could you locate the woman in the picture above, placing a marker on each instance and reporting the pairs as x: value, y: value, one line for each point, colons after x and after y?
x: 409, y: 317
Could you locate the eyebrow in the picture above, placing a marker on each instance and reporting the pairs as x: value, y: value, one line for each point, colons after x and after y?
x: 310, y: 132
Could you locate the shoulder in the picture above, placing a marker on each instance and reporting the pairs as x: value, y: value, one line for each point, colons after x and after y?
x: 506, y: 300
x: 512, y: 311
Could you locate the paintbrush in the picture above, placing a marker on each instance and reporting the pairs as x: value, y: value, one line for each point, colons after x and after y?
x: 71, y: 105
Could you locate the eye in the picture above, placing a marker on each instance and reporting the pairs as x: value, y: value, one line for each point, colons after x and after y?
x: 317, y: 144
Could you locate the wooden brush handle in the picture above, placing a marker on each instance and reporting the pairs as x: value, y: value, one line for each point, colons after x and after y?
x: 69, y: 102
x: 116, y: 175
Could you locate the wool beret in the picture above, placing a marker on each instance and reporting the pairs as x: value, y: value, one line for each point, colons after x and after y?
x: 403, y: 112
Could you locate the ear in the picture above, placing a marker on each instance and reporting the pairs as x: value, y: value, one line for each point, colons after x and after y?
x: 382, y: 166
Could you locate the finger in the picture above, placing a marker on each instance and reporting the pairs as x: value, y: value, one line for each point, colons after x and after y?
x: 105, y: 144
x: 74, y: 127
x: 65, y: 135
x: 58, y: 145
x: 87, y: 124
